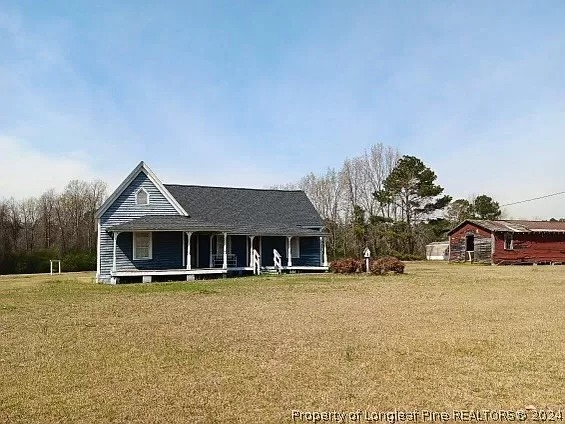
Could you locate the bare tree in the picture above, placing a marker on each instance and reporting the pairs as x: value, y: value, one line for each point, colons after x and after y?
x: 97, y: 191
x: 29, y: 213
x: 346, y: 199
x: 47, y: 203
x: 76, y: 195
x: 354, y: 176
x: 324, y: 192
x: 380, y: 160
x: 62, y: 220
x: 14, y: 223
x: 5, y: 234
x: 52, y: 221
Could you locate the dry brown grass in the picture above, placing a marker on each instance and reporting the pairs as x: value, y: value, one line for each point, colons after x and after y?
x: 253, y: 349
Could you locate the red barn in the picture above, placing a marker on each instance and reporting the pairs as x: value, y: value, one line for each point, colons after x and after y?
x: 507, y: 242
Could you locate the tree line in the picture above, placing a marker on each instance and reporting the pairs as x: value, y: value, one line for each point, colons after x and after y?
x: 388, y: 202
x: 54, y: 225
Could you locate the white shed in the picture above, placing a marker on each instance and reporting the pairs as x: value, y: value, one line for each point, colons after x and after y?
x: 437, y: 251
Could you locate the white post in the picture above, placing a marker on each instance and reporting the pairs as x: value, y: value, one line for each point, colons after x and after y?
x: 325, y: 252
x: 116, y: 234
x: 211, y: 251
x: 225, y: 258
x: 59, y: 266
x: 289, y: 251
x: 251, y: 256
x: 51, y: 267
x: 188, y: 256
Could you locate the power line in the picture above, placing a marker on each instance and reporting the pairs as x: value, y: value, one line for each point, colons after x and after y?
x: 535, y: 198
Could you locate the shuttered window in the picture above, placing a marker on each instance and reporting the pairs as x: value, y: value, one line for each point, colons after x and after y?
x: 295, y: 247
x: 142, y: 245
x: 220, y: 244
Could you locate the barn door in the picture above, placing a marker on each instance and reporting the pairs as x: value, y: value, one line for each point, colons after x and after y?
x: 470, y: 247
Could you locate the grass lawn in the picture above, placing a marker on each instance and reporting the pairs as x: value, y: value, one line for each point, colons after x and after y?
x: 253, y: 349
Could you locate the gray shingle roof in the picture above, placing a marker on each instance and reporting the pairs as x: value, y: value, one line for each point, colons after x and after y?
x: 236, y: 211
x: 253, y: 211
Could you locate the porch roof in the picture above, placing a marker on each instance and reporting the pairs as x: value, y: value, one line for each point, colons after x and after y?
x: 266, y: 230
x: 185, y: 223
x: 168, y: 223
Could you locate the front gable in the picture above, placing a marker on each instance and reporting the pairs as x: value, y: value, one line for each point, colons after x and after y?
x: 125, y: 207
x: 123, y: 199
x: 122, y: 207
x: 468, y: 223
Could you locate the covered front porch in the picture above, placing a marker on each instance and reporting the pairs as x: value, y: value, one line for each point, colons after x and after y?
x: 162, y: 253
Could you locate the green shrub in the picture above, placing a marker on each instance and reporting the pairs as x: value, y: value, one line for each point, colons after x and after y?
x: 26, y: 262
x: 78, y: 261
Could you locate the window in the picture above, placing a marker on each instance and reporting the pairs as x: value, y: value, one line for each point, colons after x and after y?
x: 142, y: 197
x: 295, y: 247
x: 142, y: 245
x: 508, y: 241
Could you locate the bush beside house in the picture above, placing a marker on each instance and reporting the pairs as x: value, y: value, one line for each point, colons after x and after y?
x: 378, y: 266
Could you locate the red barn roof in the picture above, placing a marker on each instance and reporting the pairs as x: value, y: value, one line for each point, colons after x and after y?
x: 515, y: 226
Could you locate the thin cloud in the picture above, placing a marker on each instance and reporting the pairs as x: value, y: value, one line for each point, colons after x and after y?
x: 26, y: 171
x: 260, y: 97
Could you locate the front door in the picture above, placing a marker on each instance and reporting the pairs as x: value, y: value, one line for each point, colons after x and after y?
x: 470, y: 243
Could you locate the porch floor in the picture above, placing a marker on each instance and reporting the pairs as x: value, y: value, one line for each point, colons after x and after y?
x: 207, y: 271
x: 183, y: 271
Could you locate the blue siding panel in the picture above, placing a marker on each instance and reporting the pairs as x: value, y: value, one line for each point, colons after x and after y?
x: 166, y: 254
x: 309, y: 252
x: 125, y: 209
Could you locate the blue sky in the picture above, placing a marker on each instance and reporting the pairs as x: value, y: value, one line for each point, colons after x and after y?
x: 261, y: 93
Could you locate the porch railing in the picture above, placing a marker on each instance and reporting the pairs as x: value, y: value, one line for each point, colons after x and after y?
x: 277, y: 260
x: 218, y: 260
x: 256, y: 262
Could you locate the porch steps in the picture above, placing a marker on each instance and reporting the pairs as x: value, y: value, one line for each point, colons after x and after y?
x: 269, y: 270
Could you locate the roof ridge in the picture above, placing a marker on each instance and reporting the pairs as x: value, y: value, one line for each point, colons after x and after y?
x: 512, y: 220
x: 236, y: 188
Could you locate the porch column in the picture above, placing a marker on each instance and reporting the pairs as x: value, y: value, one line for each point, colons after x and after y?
x: 116, y: 234
x: 289, y: 251
x: 225, y: 258
x: 325, y: 263
x: 251, y: 251
x: 188, y: 255
x: 211, y: 251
